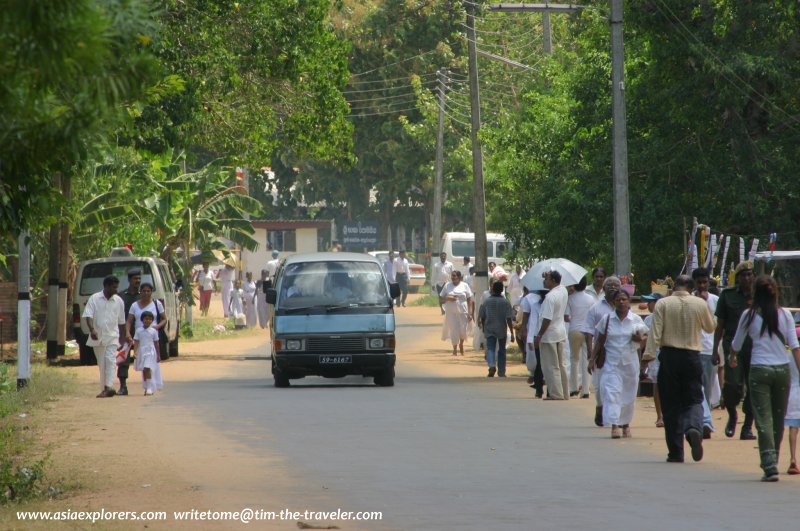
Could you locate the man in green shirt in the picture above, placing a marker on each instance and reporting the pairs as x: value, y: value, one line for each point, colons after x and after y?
x: 732, y: 303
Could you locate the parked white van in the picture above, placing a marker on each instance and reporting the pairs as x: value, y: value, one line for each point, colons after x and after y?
x: 90, y: 280
x: 457, y: 245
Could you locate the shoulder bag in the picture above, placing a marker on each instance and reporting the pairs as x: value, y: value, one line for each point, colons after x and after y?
x: 600, y: 352
x: 163, y: 340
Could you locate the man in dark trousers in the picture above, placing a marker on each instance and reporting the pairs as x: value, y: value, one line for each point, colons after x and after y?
x: 732, y: 303
x: 678, y: 321
x: 129, y: 296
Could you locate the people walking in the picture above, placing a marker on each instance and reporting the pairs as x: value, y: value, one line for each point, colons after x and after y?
x: 495, y: 318
x: 701, y: 277
x: 611, y: 285
x: 262, y: 285
x: 442, y: 272
x: 145, y: 304
x: 458, y: 303
x: 205, y: 287
x: 129, y: 296
x: 531, y: 305
x: 678, y: 321
x: 730, y: 306
x: 652, y: 365
x: 148, y: 354
x: 579, y: 304
x: 515, y: 285
x: 402, y: 270
x: 595, y: 289
x: 236, y: 305
x: 388, y: 268
x: 249, y: 289
x: 104, y: 315
x: 620, y: 333
x: 226, y: 275
x: 772, y: 333
x: 552, y: 336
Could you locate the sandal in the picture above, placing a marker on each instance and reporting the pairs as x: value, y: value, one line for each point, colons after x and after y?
x: 659, y: 423
x: 793, y: 470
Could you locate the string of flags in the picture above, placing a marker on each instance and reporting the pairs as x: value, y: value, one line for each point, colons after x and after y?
x: 705, y: 247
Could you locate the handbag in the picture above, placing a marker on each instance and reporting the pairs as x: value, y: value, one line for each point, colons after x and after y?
x: 600, y: 354
x: 162, y: 335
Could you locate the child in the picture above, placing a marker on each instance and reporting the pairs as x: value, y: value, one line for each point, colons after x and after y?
x: 236, y: 306
x: 148, y: 354
x: 792, y: 419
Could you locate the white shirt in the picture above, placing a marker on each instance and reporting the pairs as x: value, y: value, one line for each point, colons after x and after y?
x: 597, y: 312
x: 136, y: 311
x: 767, y: 350
x: 462, y: 292
x: 498, y: 273
x: 206, y: 281
x: 531, y: 303
x: 388, y: 269
x: 226, y: 277
x: 579, y: 304
x: 553, y: 308
x: 596, y: 294
x: 107, y: 316
x: 401, y: 266
x: 442, y: 272
x: 272, y: 266
x: 620, y: 347
x: 708, y: 337
x: 515, y: 287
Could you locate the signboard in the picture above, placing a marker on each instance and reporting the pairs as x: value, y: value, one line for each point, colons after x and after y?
x: 359, y: 234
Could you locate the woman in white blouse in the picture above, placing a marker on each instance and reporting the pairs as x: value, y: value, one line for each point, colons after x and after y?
x: 457, y: 297
x: 773, y: 333
x: 621, y: 331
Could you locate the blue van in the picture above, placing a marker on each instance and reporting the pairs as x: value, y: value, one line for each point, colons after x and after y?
x: 332, y: 316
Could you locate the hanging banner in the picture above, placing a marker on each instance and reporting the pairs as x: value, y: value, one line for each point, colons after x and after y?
x: 753, y: 249
x: 712, y: 261
x: 741, y: 249
x: 724, y: 258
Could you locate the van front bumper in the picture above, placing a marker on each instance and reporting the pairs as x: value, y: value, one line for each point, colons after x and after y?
x: 333, y: 365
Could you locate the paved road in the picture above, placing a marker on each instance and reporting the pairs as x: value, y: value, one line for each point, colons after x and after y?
x: 439, y: 452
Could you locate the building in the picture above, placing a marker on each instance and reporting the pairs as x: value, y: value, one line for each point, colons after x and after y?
x: 289, y: 236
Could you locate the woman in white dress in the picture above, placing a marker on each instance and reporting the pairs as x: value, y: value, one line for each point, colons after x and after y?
x: 147, y: 355
x: 236, y: 305
x: 146, y: 304
x: 621, y: 331
x: 249, y: 289
x: 457, y: 297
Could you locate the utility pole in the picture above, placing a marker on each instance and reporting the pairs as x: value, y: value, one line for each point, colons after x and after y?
x: 622, y: 222
x: 481, y: 278
x: 63, y: 268
x: 548, y: 35
x: 52, y: 284
x: 436, y: 239
x: 24, y: 311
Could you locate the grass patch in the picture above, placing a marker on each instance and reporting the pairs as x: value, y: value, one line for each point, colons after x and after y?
x: 206, y: 328
x: 22, y: 461
x: 427, y: 300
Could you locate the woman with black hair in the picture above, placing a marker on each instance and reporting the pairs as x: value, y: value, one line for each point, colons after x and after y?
x: 772, y: 331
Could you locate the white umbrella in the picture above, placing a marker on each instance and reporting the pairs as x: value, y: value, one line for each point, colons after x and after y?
x: 571, y: 273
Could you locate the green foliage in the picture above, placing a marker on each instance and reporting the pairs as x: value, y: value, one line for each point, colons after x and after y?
x: 7, y: 382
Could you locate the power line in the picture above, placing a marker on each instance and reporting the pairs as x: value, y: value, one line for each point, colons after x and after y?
x: 392, y: 87
x: 393, y: 111
x: 395, y: 63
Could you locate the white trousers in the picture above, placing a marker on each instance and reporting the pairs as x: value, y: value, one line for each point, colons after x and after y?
x: 619, y: 385
x: 554, y: 368
x: 107, y: 363
x: 579, y: 368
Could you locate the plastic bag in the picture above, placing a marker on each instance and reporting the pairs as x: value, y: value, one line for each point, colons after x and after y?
x: 122, y: 355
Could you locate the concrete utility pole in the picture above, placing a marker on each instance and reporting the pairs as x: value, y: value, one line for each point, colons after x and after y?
x: 436, y: 239
x: 547, y: 33
x: 481, y: 278
x: 622, y: 222
x: 63, y: 269
x: 52, y: 284
x: 24, y: 311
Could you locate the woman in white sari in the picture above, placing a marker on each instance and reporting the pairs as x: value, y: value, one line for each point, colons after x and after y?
x: 457, y: 297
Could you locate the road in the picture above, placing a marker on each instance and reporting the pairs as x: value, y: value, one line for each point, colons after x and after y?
x: 448, y: 448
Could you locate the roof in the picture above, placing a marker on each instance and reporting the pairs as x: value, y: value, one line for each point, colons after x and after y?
x: 471, y: 235
x: 285, y: 224
x: 330, y: 257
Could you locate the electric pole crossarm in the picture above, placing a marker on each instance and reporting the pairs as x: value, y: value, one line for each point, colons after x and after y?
x: 543, y: 8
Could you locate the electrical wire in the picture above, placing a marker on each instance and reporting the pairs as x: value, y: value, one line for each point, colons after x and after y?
x: 392, y: 87
x: 393, y: 111
x: 406, y: 78
x: 395, y: 63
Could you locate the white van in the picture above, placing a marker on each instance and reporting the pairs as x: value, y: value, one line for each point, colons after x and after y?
x: 457, y: 245
x: 90, y: 280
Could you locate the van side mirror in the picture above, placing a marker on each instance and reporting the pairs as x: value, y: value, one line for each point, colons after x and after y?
x: 394, y: 290
x: 272, y: 296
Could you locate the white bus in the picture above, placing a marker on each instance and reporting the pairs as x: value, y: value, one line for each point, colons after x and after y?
x: 457, y: 245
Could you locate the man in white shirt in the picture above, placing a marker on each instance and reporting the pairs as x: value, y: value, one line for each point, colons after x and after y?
x: 388, y: 268
x: 105, y: 319
x: 596, y: 288
x: 579, y: 305
x: 441, y: 275
x: 226, y: 275
x: 272, y: 265
x: 552, y: 336
x: 701, y: 277
x: 515, y: 285
x: 401, y: 273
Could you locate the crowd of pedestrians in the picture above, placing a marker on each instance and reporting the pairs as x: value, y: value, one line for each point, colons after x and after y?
x: 585, y: 338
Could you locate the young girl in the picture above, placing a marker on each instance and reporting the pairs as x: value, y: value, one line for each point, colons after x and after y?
x: 236, y: 306
x: 147, y: 354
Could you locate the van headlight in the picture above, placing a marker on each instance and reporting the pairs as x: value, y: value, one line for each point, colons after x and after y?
x: 294, y: 344
x: 376, y: 342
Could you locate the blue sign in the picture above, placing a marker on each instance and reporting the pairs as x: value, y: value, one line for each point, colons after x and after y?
x: 359, y: 234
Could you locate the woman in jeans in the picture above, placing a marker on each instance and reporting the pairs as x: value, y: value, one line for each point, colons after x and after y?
x: 773, y: 333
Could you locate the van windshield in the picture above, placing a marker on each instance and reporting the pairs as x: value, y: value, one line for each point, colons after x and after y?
x: 332, y: 286
x: 464, y: 248
x: 93, y: 275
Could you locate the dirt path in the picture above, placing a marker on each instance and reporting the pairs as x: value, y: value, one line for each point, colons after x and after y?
x: 96, y: 445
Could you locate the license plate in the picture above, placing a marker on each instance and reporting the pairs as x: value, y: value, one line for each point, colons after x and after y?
x: 335, y: 360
